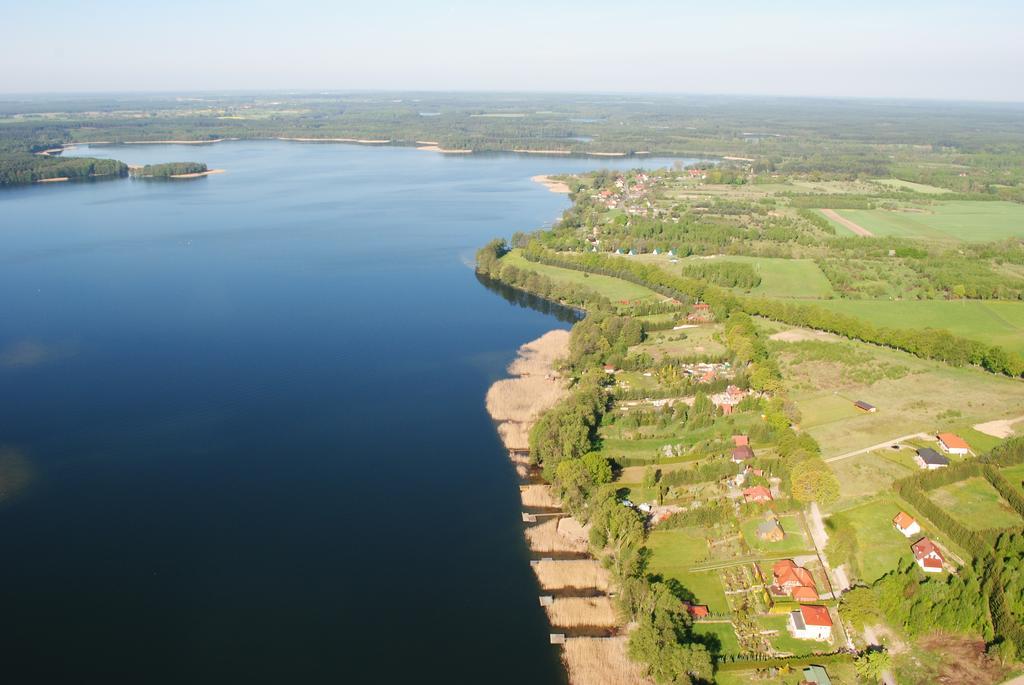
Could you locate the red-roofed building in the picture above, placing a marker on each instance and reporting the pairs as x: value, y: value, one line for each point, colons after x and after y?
x: 793, y: 581
x: 953, y: 444
x: 811, y: 622
x: 928, y: 556
x: 740, y: 441
x: 906, y: 524
x: 758, y: 493
x: 698, y: 610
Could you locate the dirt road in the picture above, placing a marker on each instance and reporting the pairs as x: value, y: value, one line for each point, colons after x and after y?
x: 879, y: 446
x: 856, y: 228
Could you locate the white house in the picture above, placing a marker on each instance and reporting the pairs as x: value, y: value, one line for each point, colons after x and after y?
x: 906, y: 524
x: 927, y: 458
x: 950, y: 443
x: 811, y: 622
x: 928, y: 556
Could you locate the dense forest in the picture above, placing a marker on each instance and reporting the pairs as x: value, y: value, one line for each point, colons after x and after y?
x: 169, y: 169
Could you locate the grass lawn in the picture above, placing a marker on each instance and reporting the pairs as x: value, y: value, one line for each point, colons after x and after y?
x: 673, y: 552
x: 840, y: 674
x: 723, y: 633
x: 794, y: 542
x: 910, y: 185
x: 687, y: 343
x: 976, y: 504
x: 798, y: 278
x: 1015, y: 474
x: 953, y: 220
x: 880, y: 547
x: 912, y: 395
x: 784, y: 642
x: 989, y: 321
x: 612, y: 288
x: 864, y: 475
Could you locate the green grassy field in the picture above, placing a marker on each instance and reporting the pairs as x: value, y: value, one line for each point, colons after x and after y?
x: 1015, y: 474
x: 612, y: 288
x: 688, y: 342
x: 723, y: 633
x: 910, y: 185
x: 797, y: 278
x: 794, y: 542
x: 864, y: 475
x: 881, y: 548
x: 673, y: 552
x: 976, y: 504
x: 992, y: 322
x: 959, y: 220
x: 840, y: 674
x: 922, y: 396
x: 784, y: 642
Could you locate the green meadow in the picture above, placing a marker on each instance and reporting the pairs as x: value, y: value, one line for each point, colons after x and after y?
x: 990, y: 321
x: 959, y: 220
x: 614, y: 289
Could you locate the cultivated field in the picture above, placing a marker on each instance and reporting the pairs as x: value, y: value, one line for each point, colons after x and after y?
x: 798, y: 278
x: 989, y: 321
x: 950, y: 221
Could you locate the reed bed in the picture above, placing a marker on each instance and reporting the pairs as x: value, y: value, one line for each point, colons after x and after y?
x: 576, y: 612
x: 544, y: 537
x: 564, y: 574
x: 539, y: 496
x: 601, y: 661
x: 515, y: 403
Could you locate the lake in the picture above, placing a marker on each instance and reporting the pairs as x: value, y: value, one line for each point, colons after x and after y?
x: 242, y: 425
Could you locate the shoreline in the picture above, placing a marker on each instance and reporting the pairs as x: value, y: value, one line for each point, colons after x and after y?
x: 198, y: 174
x: 434, y: 147
x: 551, y: 184
x: 586, y: 626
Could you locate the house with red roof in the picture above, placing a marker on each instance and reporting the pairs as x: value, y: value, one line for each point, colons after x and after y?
x: 758, y: 493
x: 950, y: 443
x: 793, y: 581
x: 810, y: 622
x: 928, y: 556
x: 740, y: 441
x: 906, y: 524
x: 697, y: 610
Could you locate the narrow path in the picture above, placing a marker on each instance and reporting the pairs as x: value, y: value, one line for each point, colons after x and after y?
x: 856, y: 228
x: 879, y: 446
x: 872, y: 639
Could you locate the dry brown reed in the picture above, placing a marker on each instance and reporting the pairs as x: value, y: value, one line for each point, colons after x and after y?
x: 564, y: 574
x: 601, y: 661
x: 575, y: 612
x: 544, y: 537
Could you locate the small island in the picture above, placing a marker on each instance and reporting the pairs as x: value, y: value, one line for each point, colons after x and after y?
x: 173, y: 170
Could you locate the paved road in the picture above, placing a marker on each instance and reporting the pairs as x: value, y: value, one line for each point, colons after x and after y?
x: 879, y: 446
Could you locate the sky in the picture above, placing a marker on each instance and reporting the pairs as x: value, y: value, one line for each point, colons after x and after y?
x: 902, y: 48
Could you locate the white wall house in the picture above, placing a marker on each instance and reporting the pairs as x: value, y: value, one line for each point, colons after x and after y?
x: 811, y: 622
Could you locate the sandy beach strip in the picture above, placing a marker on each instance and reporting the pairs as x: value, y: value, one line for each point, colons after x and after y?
x: 551, y: 184
x: 542, y: 152
x: 198, y: 174
x: 55, y: 179
x: 434, y: 147
x: 359, y: 141
x: 168, y: 142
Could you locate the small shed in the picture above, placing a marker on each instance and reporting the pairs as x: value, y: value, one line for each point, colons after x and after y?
x: 741, y: 454
x: 771, y: 531
x: 929, y: 459
x: 864, y: 406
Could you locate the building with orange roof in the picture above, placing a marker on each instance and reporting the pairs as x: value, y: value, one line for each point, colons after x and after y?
x: 793, y: 581
x: 928, y: 556
x: 906, y: 524
x: 952, y: 443
x: 758, y: 493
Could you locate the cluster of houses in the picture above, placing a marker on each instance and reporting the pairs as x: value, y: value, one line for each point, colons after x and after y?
x: 707, y: 371
x: 700, y: 313
x: 727, y: 400
x: 926, y: 553
x: 950, y: 443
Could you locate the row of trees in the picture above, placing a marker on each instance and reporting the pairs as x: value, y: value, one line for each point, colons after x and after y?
x: 168, y: 169
x: 27, y: 168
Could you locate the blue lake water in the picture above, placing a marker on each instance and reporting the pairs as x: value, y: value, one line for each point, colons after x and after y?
x: 242, y: 431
